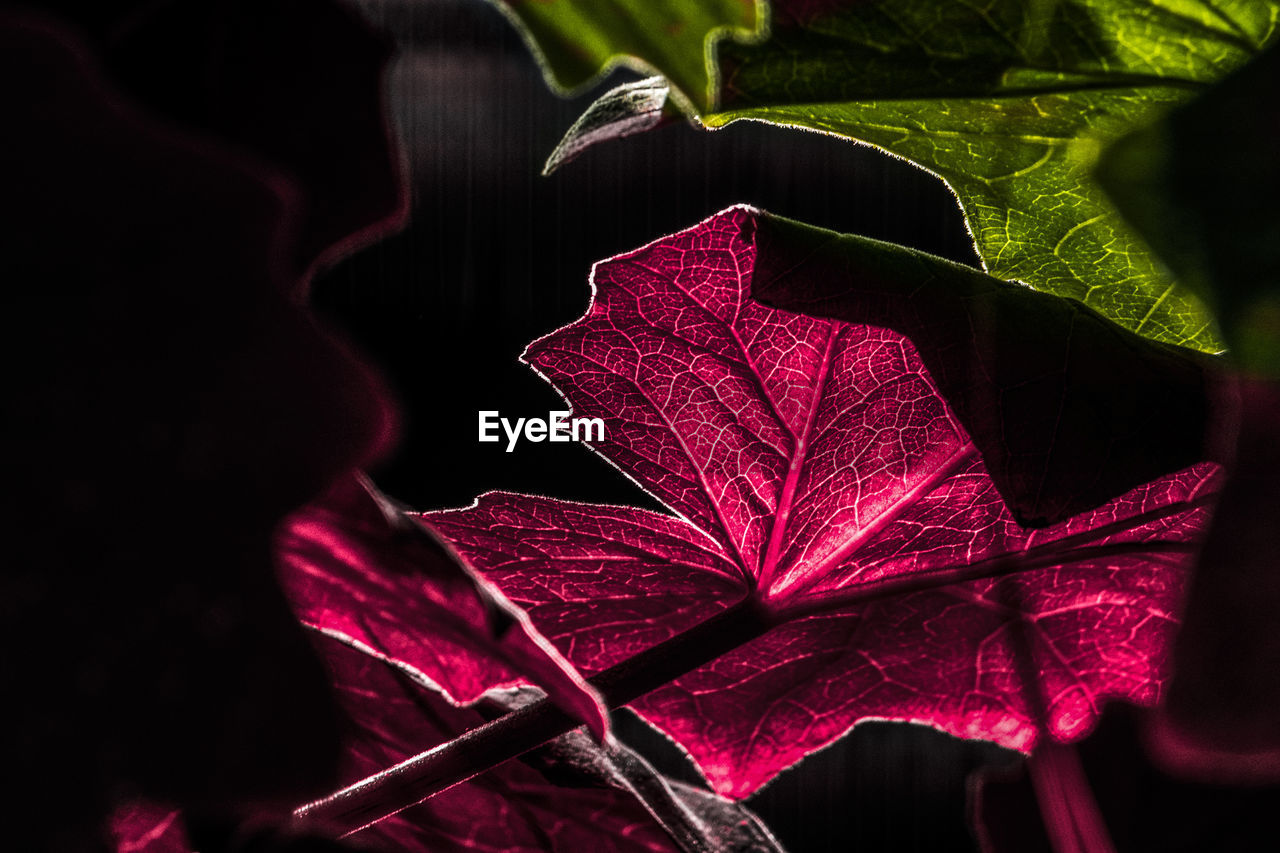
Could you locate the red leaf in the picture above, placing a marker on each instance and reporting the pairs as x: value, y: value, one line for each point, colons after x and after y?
x: 815, y: 468
x: 353, y: 565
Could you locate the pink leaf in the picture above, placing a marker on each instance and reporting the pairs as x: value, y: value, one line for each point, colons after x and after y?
x: 814, y: 468
x: 353, y: 565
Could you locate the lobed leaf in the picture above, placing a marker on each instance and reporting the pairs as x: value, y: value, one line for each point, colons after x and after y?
x: 161, y: 374
x: 1068, y: 409
x: 1009, y: 102
x: 815, y: 469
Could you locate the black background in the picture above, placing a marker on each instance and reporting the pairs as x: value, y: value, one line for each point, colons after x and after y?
x: 496, y: 255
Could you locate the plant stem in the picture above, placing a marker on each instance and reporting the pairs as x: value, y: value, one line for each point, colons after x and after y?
x: 397, y: 788
x: 1067, y: 805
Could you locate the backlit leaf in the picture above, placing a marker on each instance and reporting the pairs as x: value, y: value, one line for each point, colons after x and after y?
x: 814, y: 468
x: 1068, y: 409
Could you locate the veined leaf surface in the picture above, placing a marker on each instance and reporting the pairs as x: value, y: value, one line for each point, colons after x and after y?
x: 814, y: 468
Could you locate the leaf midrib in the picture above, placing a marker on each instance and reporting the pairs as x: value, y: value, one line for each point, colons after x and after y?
x: 795, y: 465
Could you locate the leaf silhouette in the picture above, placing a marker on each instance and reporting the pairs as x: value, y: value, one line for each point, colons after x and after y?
x: 1219, y: 723
x: 354, y: 565
x: 816, y: 472
x: 1009, y: 102
x: 174, y: 379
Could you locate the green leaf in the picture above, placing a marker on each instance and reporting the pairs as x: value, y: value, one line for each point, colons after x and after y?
x: 1010, y: 102
x: 1201, y: 186
x: 578, y: 41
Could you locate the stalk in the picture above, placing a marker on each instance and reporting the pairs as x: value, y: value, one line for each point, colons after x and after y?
x: 1067, y: 804
x: 406, y: 784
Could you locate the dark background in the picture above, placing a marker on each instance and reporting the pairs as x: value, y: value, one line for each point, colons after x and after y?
x: 496, y: 255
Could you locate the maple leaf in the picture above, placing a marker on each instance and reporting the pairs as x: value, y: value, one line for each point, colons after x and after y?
x: 354, y: 565
x: 823, y: 487
x: 1009, y: 103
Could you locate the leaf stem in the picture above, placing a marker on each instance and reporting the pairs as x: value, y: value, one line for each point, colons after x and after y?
x: 397, y: 788
x: 1067, y: 805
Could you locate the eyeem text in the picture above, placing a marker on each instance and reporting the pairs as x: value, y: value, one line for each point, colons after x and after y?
x: 557, y: 427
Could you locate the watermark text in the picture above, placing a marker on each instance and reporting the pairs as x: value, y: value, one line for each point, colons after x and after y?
x: 558, y: 426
